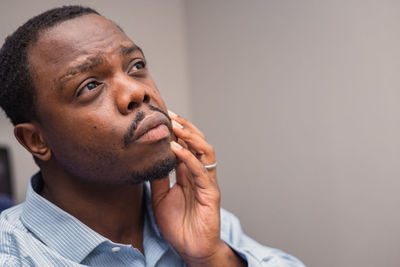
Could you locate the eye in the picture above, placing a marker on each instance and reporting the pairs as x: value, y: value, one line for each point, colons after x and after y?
x: 88, y: 87
x: 139, y: 65
x: 136, y: 66
x: 91, y: 85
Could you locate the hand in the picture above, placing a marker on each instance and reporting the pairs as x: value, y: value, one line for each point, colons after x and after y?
x: 188, y: 214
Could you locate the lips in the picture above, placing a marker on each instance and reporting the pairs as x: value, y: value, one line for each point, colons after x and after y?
x: 152, y: 128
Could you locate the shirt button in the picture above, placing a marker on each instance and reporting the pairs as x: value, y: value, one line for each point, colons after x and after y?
x: 116, y: 249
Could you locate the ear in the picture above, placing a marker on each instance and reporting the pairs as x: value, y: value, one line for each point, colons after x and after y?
x: 30, y: 137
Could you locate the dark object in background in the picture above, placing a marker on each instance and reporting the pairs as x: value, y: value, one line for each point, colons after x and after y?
x: 6, y: 197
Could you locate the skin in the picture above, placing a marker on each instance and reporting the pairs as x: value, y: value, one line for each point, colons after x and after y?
x: 84, y: 114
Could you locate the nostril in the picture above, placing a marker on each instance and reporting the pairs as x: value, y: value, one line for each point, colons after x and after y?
x: 146, y: 99
x: 131, y: 105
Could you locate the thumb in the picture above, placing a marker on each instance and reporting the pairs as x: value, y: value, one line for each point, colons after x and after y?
x: 159, y: 189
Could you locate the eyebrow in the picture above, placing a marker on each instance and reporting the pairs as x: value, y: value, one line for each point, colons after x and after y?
x: 126, y: 50
x: 91, y: 63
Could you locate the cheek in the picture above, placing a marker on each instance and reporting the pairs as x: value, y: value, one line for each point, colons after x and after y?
x: 89, y: 132
x: 96, y: 134
x: 86, y: 149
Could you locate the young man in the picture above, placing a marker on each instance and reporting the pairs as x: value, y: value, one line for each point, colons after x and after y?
x: 84, y: 105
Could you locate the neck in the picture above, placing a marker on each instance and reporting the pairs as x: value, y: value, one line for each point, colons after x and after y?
x: 114, y: 211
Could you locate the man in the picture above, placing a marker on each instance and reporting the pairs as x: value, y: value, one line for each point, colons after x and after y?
x: 83, y: 104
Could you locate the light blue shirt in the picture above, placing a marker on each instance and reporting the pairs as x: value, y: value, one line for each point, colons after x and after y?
x: 38, y: 233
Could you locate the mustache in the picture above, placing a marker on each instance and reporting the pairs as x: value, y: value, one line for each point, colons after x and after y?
x: 161, y: 111
x: 138, y: 118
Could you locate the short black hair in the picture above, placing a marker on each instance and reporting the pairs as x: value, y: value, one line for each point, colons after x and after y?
x: 17, y: 92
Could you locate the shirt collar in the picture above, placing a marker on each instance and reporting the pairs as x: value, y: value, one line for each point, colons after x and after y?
x: 64, y: 233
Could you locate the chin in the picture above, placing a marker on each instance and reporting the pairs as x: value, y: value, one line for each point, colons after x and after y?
x: 158, y: 170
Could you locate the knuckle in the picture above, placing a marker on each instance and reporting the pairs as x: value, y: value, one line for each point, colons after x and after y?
x: 185, y: 133
x: 218, y: 197
x: 202, y: 168
x: 209, y: 148
x: 186, y: 152
x: 181, y: 118
x: 217, y: 193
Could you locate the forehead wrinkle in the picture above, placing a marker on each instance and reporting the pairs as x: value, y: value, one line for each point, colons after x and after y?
x: 89, y: 64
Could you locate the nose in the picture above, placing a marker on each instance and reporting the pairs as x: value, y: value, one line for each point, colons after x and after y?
x: 130, y: 94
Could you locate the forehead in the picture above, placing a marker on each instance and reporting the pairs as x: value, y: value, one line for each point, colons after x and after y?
x: 76, y: 38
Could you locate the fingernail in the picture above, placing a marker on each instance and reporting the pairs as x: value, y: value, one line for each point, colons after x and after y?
x: 172, y: 114
x: 177, y: 124
x: 176, y: 145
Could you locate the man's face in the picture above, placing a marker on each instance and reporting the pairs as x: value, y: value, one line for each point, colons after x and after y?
x: 95, y: 100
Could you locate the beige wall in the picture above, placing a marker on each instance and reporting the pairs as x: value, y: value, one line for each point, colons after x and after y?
x: 300, y: 100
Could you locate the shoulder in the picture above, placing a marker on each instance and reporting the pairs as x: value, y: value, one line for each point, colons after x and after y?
x: 12, y: 231
x: 8, y: 260
x: 253, y: 252
x: 10, y: 219
x: 18, y: 246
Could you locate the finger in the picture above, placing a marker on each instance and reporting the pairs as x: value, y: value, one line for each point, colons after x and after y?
x: 198, y: 146
x: 159, y: 189
x: 199, y: 174
x: 181, y: 173
x: 182, y: 143
x: 185, y: 123
x: 203, y: 150
x: 195, y: 142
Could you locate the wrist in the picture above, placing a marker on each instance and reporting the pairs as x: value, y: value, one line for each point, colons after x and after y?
x: 223, y: 256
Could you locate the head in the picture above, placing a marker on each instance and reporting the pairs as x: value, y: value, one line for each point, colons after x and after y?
x: 80, y: 95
